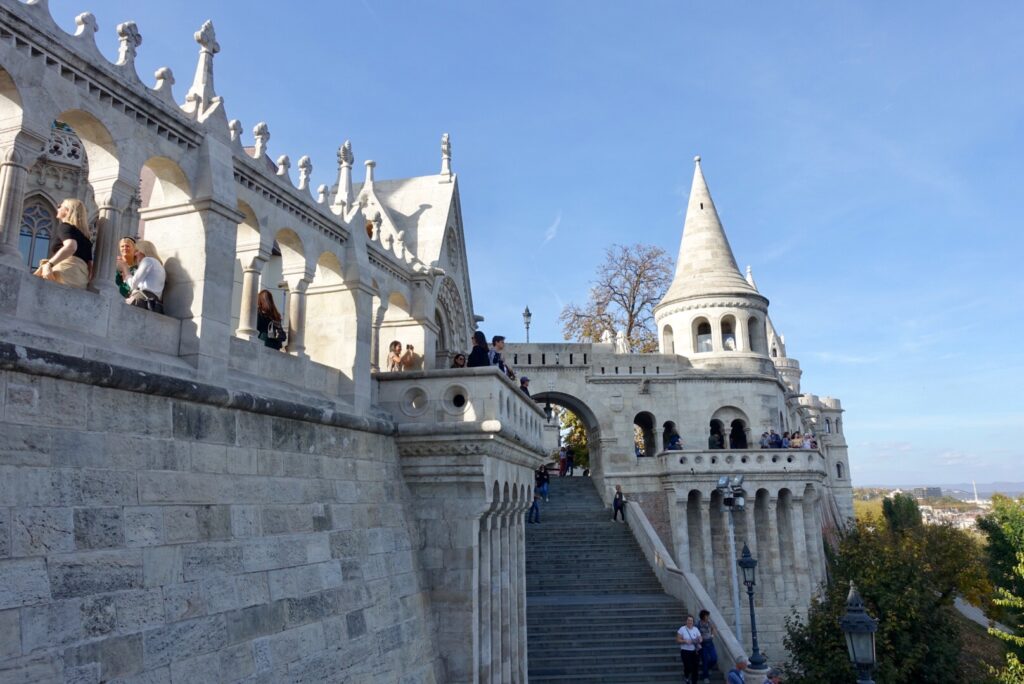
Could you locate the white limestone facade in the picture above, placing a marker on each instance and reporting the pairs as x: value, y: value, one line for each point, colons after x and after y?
x: 721, y: 367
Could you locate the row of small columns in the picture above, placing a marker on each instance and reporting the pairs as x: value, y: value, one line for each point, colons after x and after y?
x: 502, y: 595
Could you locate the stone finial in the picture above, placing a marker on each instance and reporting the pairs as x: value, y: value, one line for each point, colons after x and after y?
x: 377, y: 222
x: 201, y: 95
x: 370, y: 165
x: 305, y: 170
x: 86, y: 24
x: 261, y: 132
x: 235, y: 130
x: 283, y: 164
x: 446, y: 155
x: 345, y: 153
x: 321, y: 193
x: 129, y: 41
x: 164, y: 81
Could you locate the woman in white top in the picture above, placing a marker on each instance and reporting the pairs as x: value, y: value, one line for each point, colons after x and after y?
x: 688, y: 638
x: 147, y: 283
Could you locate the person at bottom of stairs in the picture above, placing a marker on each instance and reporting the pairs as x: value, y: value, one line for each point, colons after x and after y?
x: 619, y: 504
x: 534, y: 510
x: 688, y: 638
x: 708, y: 654
x: 735, y: 675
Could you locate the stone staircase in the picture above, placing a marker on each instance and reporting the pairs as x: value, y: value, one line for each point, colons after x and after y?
x: 595, y: 610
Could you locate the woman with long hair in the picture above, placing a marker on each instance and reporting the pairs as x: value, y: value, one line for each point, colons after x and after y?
x: 479, y: 357
x: 395, y: 356
x: 268, y: 321
x: 459, y: 361
x: 70, y: 263
x: 147, y: 283
x: 127, y: 262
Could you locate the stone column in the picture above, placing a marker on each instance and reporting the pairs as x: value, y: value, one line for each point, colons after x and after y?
x: 506, y: 615
x: 680, y: 528
x: 378, y: 319
x: 742, y: 333
x: 709, y: 548
x: 483, y: 666
x: 13, y: 177
x: 776, y: 552
x: 521, y: 589
x: 659, y: 440
x: 250, y: 290
x: 496, y: 611
x: 297, y: 317
x: 800, y: 559
x: 104, y: 252
x: 515, y: 531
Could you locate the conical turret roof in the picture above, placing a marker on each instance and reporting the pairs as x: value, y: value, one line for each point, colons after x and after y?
x: 706, y: 265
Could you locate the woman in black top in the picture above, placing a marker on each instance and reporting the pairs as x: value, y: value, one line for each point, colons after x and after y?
x: 273, y: 336
x: 479, y: 357
x: 71, y: 262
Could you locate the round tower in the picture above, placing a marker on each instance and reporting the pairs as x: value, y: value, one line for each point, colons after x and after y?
x: 710, y: 313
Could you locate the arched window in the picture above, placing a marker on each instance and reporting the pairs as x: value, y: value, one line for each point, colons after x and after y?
x: 839, y: 470
x: 738, y: 435
x: 701, y: 335
x: 643, y: 434
x: 775, y: 352
x: 37, y: 222
x: 716, y: 436
x: 728, y: 333
x: 668, y: 343
x: 755, y: 335
x: 828, y: 426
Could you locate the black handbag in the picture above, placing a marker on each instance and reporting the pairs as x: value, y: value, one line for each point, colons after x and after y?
x: 144, y: 299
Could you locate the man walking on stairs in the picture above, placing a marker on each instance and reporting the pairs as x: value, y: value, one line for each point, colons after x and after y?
x: 618, y: 505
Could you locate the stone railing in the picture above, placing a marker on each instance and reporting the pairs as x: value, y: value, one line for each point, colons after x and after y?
x: 481, y: 399
x: 726, y: 461
x: 686, y: 587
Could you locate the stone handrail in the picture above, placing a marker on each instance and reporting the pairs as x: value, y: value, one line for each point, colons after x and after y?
x: 683, y: 585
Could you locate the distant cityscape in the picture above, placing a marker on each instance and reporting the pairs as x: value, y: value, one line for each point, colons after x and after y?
x: 959, y: 504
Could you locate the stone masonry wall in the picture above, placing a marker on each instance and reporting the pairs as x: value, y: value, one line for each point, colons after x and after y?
x: 655, y: 508
x: 149, y: 539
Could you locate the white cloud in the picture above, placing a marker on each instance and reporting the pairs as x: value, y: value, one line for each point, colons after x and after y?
x: 552, y: 230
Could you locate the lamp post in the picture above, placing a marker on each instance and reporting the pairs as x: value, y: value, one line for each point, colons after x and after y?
x: 859, y: 629
x: 527, y: 317
x: 733, y: 499
x: 748, y: 564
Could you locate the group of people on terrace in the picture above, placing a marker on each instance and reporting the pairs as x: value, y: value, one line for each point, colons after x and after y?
x: 140, y: 274
x: 773, y: 440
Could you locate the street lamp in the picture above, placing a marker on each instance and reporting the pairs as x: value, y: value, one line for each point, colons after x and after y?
x: 527, y: 317
x: 733, y: 499
x: 859, y: 629
x: 748, y: 564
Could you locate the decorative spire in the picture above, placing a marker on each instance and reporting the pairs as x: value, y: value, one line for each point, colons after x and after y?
x: 305, y: 170
x: 235, y: 131
x: 164, y: 82
x: 343, y: 198
x: 261, y: 132
x: 706, y: 265
x: 202, y: 95
x: 750, y: 277
x: 446, y: 156
x: 129, y: 41
x: 86, y: 23
x: 370, y: 165
x: 283, y: 164
x: 321, y: 193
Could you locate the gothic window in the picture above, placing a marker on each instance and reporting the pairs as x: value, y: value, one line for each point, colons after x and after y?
x: 64, y: 146
x: 37, y: 222
x: 839, y: 471
x: 828, y: 426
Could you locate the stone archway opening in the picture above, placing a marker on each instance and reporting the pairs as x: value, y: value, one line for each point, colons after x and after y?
x: 577, y: 429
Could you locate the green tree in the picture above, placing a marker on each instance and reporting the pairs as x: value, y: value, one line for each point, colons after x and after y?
x: 629, y: 284
x: 574, y: 437
x: 901, y: 513
x: 909, y: 581
x: 1004, y: 531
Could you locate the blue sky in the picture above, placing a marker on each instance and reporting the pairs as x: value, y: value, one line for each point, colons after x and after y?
x: 866, y: 159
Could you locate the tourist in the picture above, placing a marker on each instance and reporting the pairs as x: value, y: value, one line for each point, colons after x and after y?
x: 715, y: 441
x: 796, y: 441
x: 688, y: 638
x: 675, y: 443
x: 708, y: 654
x: 774, y: 676
x: 765, y: 440
x: 479, y: 356
x: 147, y: 282
x: 497, y: 347
x: 541, y: 480
x: 618, y: 505
x: 570, y: 466
x: 395, y: 356
x: 735, y: 675
x: 126, y: 261
x: 774, y: 440
x: 561, y: 462
x: 524, y: 384
x: 71, y: 263
x: 814, y: 443
x: 785, y: 440
x: 268, y: 321
x: 459, y: 361
x: 534, y: 510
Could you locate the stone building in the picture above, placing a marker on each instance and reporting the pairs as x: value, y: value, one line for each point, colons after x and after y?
x: 180, y: 502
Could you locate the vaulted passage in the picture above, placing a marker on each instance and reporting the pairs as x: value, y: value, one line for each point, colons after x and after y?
x: 595, y: 610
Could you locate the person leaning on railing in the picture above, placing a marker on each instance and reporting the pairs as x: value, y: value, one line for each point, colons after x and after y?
x: 71, y: 263
x: 147, y: 282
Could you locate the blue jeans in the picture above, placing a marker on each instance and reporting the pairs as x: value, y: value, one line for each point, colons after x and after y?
x: 708, y: 657
x: 543, y: 490
x: 534, y: 511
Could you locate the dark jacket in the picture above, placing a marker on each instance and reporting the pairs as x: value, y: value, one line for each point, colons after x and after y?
x: 261, y: 328
x: 619, y: 501
x: 477, y: 358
